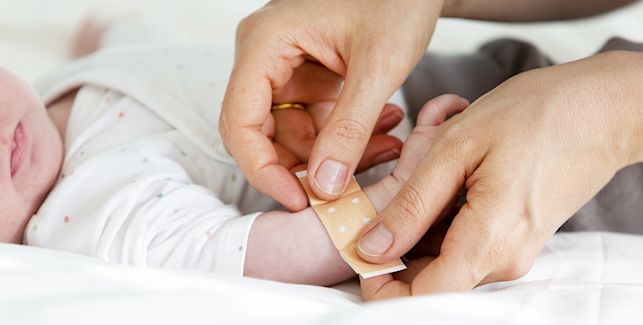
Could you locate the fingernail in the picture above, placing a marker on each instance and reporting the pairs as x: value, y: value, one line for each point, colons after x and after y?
x: 331, y: 176
x: 386, y: 156
x: 376, y: 241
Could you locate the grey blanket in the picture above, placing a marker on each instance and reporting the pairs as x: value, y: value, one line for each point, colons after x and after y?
x: 617, y: 207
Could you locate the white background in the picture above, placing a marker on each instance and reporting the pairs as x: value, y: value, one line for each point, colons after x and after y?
x: 34, y: 34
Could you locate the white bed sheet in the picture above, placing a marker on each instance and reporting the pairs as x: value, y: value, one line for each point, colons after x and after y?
x: 584, y: 278
x: 580, y: 278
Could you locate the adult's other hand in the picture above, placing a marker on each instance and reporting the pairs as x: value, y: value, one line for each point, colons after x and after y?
x: 530, y: 153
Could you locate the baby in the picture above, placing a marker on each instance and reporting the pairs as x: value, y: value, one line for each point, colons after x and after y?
x: 121, y: 160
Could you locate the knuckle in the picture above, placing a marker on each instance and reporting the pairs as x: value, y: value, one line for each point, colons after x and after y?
x: 517, y: 268
x: 456, y: 138
x: 257, y: 23
x: 477, y: 272
x: 485, y: 257
x: 247, y: 25
x: 224, y: 130
x: 348, y: 129
x: 505, y: 263
x: 411, y: 203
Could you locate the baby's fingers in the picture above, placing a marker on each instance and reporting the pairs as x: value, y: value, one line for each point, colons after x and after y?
x: 380, y: 149
x: 438, y: 109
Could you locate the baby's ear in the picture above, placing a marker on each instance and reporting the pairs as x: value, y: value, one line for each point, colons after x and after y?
x: 438, y: 109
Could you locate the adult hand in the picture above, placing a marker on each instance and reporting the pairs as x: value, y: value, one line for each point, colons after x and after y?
x: 372, y: 44
x: 293, y: 131
x: 530, y: 153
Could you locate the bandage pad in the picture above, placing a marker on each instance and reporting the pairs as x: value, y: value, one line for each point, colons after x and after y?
x: 344, y: 220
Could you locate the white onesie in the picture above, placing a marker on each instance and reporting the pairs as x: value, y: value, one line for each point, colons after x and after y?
x: 145, y: 178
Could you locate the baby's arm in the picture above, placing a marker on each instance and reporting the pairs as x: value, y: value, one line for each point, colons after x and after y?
x: 294, y: 247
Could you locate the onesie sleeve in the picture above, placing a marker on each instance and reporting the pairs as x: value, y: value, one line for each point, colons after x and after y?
x: 141, y: 209
x: 135, y: 190
x: 176, y: 225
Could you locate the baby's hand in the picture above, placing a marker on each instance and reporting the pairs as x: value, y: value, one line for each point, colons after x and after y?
x: 416, y: 146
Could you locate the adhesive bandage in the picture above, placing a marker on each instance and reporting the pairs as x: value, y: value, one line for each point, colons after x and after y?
x: 344, y: 220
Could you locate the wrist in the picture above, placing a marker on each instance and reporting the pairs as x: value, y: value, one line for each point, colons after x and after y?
x: 382, y: 192
x: 602, y: 96
x: 638, y: 108
x: 293, y: 248
x: 628, y: 96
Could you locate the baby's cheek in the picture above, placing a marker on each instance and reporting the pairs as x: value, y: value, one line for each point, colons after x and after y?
x: 13, y: 217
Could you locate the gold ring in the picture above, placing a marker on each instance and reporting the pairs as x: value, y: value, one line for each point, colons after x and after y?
x: 278, y: 107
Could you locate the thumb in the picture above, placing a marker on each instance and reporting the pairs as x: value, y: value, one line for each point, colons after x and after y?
x: 342, y: 140
x: 418, y: 204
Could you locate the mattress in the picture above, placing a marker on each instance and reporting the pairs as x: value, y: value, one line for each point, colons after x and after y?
x: 579, y: 278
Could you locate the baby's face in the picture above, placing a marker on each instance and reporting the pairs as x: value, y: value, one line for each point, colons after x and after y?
x: 30, y: 155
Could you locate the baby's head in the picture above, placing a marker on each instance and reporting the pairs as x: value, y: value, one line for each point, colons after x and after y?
x: 30, y: 155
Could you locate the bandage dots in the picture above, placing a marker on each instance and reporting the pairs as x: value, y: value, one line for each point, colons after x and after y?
x: 341, y: 229
x: 332, y: 210
x: 366, y: 220
x: 355, y: 200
